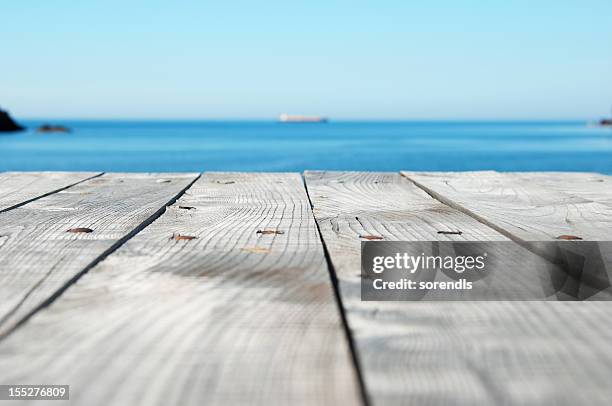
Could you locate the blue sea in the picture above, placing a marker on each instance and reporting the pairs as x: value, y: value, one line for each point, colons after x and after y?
x: 114, y: 145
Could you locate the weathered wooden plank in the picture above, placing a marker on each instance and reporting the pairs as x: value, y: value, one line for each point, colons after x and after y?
x: 462, y: 353
x: 243, y: 313
x: 590, y: 186
x: 39, y: 256
x: 18, y: 188
x: 521, y: 209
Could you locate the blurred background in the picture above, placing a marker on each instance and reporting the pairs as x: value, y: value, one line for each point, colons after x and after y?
x: 186, y: 85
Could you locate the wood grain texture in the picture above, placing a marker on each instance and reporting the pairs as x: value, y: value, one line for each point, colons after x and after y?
x: 521, y: 209
x: 38, y: 254
x: 240, y: 310
x: 17, y: 188
x: 589, y: 186
x: 461, y: 353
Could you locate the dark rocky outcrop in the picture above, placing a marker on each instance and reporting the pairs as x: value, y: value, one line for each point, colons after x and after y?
x: 7, y: 124
x: 606, y: 121
x: 48, y: 128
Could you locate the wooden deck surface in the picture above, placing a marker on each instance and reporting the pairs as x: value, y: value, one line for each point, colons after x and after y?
x: 244, y: 288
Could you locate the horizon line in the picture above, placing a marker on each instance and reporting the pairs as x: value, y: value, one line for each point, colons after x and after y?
x: 339, y: 119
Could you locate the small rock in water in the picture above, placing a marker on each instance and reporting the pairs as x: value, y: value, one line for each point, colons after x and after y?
x: 48, y: 128
x: 7, y: 124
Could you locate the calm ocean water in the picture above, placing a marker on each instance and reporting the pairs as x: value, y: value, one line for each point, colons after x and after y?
x: 271, y: 146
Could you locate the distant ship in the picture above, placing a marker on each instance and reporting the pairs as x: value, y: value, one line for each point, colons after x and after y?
x: 606, y: 121
x: 287, y: 118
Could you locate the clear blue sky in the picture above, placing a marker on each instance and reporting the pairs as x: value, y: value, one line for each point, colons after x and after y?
x: 345, y: 59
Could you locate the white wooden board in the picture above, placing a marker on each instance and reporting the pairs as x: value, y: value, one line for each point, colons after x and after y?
x: 242, y: 313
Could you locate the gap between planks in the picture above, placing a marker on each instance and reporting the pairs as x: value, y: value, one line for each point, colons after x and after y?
x: 524, y: 207
x: 22, y: 310
x: 249, y: 316
x: 424, y: 352
x: 44, y: 176
x: 365, y: 397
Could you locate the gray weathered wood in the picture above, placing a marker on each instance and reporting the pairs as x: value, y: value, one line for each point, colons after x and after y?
x: 38, y: 256
x: 244, y: 313
x: 590, y: 186
x: 517, y: 207
x: 17, y: 188
x: 462, y: 353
